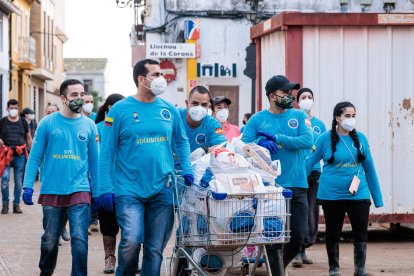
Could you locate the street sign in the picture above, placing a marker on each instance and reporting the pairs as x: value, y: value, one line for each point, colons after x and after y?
x: 171, y: 50
x: 192, y: 29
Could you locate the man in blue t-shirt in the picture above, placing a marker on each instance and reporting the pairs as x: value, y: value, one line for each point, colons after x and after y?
x: 287, y: 134
x: 66, y: 144
x: 136, y: 168
x: 203, y: 130
x: 305, y: 99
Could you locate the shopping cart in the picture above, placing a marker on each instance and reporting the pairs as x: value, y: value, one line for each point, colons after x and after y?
x: 214, y: 228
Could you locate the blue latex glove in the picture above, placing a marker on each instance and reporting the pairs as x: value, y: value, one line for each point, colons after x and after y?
x: 269, y: 145
x: 188, y: 179
x: 27, y: 196
x: 105, y: 201
x: 269, y: 136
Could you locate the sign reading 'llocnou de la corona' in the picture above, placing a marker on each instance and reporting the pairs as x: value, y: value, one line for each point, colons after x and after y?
x: 171, y: 50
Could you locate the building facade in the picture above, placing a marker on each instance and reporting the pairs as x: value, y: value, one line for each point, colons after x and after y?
x: 22, y: 52
x: 92, y: 72
x: 224, y: 27
x: 47, y: 27
x: 6, y: 9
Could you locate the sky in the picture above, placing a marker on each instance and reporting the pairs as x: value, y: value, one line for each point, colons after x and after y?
x: 99, y: 29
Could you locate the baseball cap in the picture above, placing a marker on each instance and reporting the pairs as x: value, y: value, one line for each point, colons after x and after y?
x: 219, y: 99
x: 280, y: 82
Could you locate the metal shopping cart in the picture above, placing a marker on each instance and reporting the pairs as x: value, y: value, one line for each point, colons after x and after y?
x: 213, y: 229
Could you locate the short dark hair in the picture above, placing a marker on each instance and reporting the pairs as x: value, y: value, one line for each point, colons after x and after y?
x: 200, y: 89
x: 25, y: 111
x: 64, y: 86
x: 141, y: 70
x: 248, y: 115
x: 12, y: 102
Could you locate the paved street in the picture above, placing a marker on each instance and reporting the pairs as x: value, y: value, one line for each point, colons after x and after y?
x: 20, y: 242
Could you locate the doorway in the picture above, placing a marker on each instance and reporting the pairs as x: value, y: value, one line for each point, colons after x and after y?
x: 232, y: 93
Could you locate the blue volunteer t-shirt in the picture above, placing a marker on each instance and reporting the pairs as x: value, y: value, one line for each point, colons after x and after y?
x: 136, y: 147
x: 336, y: 177
x: 208, y: 133
x: 68, y: 150
x: 318, y: 127
x: 293, y: 136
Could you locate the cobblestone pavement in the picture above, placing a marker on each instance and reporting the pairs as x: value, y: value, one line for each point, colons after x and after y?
x: 20, y: 249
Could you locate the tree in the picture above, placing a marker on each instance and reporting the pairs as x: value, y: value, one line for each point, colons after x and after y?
x: 96, y: 100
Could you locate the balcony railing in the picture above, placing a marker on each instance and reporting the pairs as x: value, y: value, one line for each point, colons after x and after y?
x: 27, y: 50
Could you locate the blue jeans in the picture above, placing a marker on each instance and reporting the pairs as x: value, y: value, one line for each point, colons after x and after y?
x: 18, y: 164
x: 78, y: 216
x: 144, y: 220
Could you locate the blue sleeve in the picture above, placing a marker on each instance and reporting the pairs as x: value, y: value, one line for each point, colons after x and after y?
x: 323, y: 127
x: 93, y: 159
x: 36, y: 155
x: 249, y: 134
x: 301, y: 142
x: 372, y: 179
x: 216, y: 138
x: 315, y: 156
x: 180, y: 144
x: 109, y: 144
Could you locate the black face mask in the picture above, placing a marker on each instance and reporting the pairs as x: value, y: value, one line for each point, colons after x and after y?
x: 75, y: 105
x: 286, y: 101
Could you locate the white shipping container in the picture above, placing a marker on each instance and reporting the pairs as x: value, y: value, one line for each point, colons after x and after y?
x: 367, y: 63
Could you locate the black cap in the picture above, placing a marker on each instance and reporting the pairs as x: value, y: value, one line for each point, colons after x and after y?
x: 219, y: 99
x: 303, y: 90
x: 280, y: 82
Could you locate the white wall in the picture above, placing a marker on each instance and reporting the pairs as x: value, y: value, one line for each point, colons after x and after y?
x: 276, y: 6
x: 372, y: 67
x: 273, y: 60
x: 4, y: 59
x: 222, y: 41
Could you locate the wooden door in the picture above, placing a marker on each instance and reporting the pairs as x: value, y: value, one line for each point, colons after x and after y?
x: 232, y: 93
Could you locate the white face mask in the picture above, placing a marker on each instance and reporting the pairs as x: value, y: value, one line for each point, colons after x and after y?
x: 87, y: 107
x: 13, y: 112
x: 306, y: 104
x: 31, y: 116
x: 197, y: 113
x: 158, y: 85
x: 210, y: 111
x: 348, y: 124
x: 222, y: 115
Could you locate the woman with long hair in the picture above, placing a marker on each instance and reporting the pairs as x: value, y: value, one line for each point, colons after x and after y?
x: 347, y: 182
x: 108, y: 222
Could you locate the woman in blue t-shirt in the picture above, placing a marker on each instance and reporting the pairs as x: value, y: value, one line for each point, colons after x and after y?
x: 346, y: 184
x: 108, y: 222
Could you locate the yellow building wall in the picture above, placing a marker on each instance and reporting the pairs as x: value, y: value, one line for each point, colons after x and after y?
x: 20, y: 77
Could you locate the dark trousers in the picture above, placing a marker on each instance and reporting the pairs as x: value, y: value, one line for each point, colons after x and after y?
x: 358, y: 213
x: 298, y: 225
x: 108, y: 223
x: 313, y: 216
